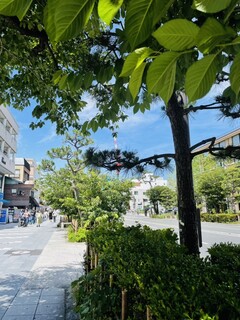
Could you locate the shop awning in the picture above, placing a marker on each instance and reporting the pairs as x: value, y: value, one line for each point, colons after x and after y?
x: 33, y: 202
x: 4, y: 201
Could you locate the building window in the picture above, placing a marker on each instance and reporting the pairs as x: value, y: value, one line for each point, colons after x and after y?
x: 17, y: 173
x: 222, y: 144
x: 8, y: 127
x: 236, y: 140
x: 135, y: 193
x: 1, y: 118
x: 14, y: 191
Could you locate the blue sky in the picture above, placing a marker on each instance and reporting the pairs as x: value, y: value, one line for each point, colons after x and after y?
x: 147, y: 133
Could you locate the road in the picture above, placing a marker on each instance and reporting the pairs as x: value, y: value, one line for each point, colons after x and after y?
x: 211, y: 232
x: 21, y: 247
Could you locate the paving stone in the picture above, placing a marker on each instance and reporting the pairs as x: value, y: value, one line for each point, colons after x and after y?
x: 54, y: 309
x: 18, y: 317
x: 48, y: 317
x: 21, y: 310
x: 2, y: 311
x: 52, y: 292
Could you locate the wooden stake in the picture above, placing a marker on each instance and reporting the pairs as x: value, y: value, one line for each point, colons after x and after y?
x: 148, y: 313
x: 96, y: 260
x: 110, y: 280
x: 124, y: 304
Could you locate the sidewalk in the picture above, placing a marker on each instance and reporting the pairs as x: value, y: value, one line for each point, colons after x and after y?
x: 45, y: 294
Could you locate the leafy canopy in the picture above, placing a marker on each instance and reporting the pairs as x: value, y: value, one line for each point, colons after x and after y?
x: 52, y: 53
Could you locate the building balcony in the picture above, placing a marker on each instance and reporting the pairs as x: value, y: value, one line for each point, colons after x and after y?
x: 8, y: 137
x: 7, y: 165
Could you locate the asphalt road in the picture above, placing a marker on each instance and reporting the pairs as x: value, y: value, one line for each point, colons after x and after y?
x: 211, y: 232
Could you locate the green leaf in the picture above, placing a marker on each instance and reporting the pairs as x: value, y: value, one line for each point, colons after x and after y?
x: 65, y: 19
x: 136, y: 80
x: 161, y: 75
x: 141, y: 17
x: 136, y: 108
x: 230, y: 94
x: 15, y: 7
x: 210, y: 6
x: 211, y: 34
x: 236, y: 41
x: 177, y: 35
x: 107, y: 9
x: 57, y: 76
x: 62, y: 84
x: 235, y: 75
x: 94, y: 125
x: 88, y: 79
x: 134, y: 60
x: 201, y: 76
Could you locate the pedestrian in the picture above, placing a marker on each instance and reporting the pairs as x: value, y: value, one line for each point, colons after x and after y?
x: 54, y: 215
x: 26, y: 216
x: 39, y: 218
x: 50, y: 214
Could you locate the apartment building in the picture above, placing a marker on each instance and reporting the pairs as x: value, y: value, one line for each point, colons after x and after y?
x: 19, y: 188
x: 8, y: 144
x: 139, y: 199
x: 230, y: 139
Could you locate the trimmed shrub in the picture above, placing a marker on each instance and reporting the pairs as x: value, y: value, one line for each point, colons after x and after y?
x: 156, y: 272
x: 219, y: 217
x: 79, y: 236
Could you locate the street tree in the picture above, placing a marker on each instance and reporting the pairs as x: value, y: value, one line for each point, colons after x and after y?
x: 71, y: 154
x: 161, y: 195
x: 210, y: 187
x: 175, y: 50
x: 74, y: 189
x: 56, y: 191
x: 231, y: 186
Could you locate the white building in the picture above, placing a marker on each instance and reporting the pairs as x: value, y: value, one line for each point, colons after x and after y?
x: 139, y: 198
x: 8, y: 144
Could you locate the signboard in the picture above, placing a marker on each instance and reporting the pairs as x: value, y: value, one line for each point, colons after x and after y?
x: 11, y: 215
x: 3, y: 216
x: 16, y: 215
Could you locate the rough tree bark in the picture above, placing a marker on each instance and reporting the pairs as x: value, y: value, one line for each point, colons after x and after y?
x: 188, y: 229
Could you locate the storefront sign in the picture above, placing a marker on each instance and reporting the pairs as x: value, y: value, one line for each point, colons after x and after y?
x: 3, y: 216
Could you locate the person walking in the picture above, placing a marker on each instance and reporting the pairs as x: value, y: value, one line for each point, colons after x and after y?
x: 54, y: 215
x: 39, y: 218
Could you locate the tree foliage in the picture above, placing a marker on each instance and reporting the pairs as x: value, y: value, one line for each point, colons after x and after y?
x: 125, y: 53
x: 162, y: 195
x: 88, y: 195
x: 53, y: 57
x: 217, y: 183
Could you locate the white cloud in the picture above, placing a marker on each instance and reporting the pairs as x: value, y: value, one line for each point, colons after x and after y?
x: 90, y: 110
x: 134, y: 121
x: 51, y: 135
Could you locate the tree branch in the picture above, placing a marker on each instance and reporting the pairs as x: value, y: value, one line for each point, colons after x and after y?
x: 228, y: 152
x: 14, y: 23
x: 210, y: 106
x: 212, y: 140
x: 117, y: 160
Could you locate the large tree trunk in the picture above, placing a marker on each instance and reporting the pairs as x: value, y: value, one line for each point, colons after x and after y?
x: 188, y: 229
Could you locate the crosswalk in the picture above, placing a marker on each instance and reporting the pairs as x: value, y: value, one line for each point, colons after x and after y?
x: 13, y: 238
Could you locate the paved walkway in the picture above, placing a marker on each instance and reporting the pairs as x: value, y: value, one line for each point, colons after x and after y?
x: 45, y: 293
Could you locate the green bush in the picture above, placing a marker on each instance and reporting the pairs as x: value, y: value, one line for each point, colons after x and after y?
x: 219, y: 217
x: 156, y: 272
x: 165, y: 216
x: 79, y: 236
